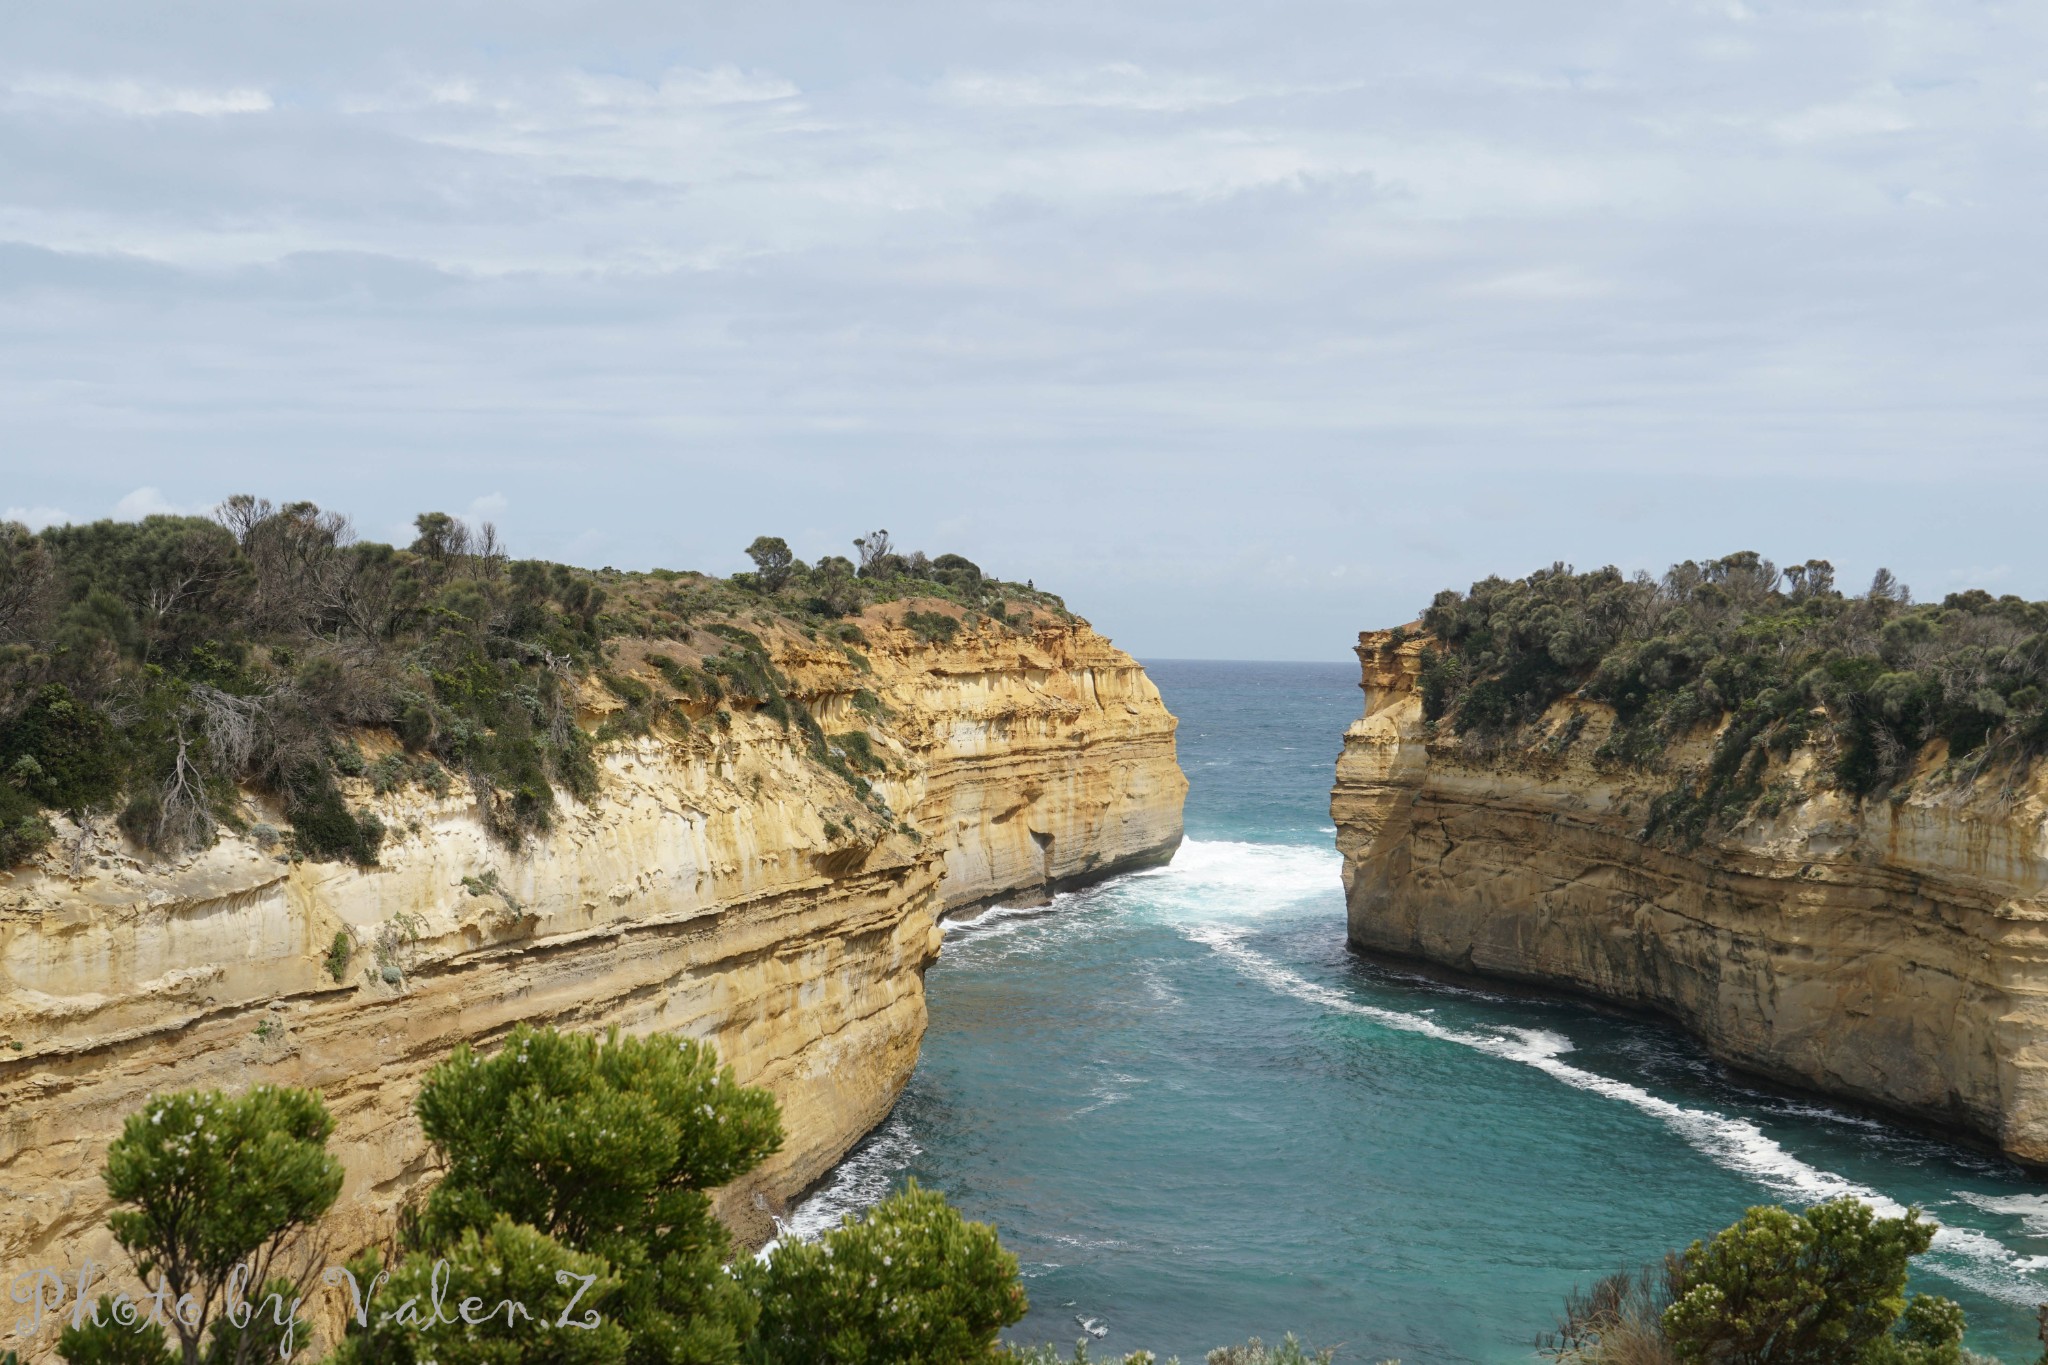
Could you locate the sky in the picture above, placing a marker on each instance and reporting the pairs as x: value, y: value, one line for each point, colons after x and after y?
x: 1243, y: 326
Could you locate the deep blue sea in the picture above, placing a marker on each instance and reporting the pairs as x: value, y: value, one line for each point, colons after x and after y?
x: 1195, y: 1117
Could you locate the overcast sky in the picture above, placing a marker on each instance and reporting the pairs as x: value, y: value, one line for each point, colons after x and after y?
x: 1243, y: 326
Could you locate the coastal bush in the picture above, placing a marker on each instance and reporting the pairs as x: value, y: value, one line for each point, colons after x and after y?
x: 1050, y: 1355
x: 1784, y: 1288
x: 339, y: 953
x: 520, y: 1284
x: 1822, y: 1287
x: 211, y: 1195
x: 932, y: 627
x: 1776, y: 659
x: 608, y: 1148
x: 911, y: 1283
x: 1290, y: 1351
x: 24, y: 832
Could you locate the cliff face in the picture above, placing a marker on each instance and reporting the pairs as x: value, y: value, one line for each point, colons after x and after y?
x: 725, y: 885
x: 1893, y: 952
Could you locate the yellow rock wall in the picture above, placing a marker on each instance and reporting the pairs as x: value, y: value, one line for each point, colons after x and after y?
x: 1894, y: 952
x: 723, y: 885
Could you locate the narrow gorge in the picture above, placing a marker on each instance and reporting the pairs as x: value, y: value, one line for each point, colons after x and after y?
x: 724, y: 883
x: 1889, y: 949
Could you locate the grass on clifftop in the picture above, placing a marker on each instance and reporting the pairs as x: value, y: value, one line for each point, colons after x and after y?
x: 1782, y: 657
x: 152, y: 671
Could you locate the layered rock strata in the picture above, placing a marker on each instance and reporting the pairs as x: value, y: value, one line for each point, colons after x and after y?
x: 1892, y: 952
x: 725, y: 885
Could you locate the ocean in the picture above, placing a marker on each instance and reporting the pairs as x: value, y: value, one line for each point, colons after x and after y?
x: 1195, y: 1117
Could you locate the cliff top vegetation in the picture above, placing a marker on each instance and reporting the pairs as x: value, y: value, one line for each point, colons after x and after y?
x: 153, y: 671
x: 1779, y: 658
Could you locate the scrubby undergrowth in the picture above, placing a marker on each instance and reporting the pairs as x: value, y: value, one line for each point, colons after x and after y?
x: 1777, y: 659
x: 163, y: 672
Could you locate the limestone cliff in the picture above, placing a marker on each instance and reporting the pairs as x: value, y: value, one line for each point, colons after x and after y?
x: 1894, y: 952
x: 725, y: 884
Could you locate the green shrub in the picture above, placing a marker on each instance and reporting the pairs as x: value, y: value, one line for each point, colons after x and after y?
x: 62, y: 752
x: 323, y: 826
x: 1823, y: 1287
x: 389, y: 773
x: 24, y: 832
x: 631, y: 691
x: 911, y: 1282
x: 1290, y: 1351
x: 415, y: 725
x: 1784, y: 1288
x: 674, y: 672
x: 338, y: 954
x: 143, y: 1343
x: 500, y: 1266
x: 932, y: 627
x: 203, y: 1183
x: 609, y: 1148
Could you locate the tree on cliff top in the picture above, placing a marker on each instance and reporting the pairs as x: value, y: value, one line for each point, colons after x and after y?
x: 773, y: 563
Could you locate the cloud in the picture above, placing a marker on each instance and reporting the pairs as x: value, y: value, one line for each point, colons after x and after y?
x: 139, y: 98
x: 1867, y: 115
x: 150, y: 502
x: 1541, y: 285
x: 36, y: 518
x: 1113, y: 85
x: 489, y: 507
x: 683, y: 88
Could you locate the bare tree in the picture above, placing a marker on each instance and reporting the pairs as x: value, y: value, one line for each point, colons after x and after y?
x: 295, y: 559
x: 874, y: 547
x: 1885, y: 587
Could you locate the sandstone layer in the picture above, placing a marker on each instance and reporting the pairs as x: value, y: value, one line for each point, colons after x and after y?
x: 1892, y: 952
x: 724, y: 885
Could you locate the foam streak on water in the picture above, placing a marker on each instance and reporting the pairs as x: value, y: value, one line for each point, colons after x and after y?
x: 855, y: 1185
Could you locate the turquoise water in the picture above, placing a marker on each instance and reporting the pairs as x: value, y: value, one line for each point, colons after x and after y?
x: 1195, y: 1117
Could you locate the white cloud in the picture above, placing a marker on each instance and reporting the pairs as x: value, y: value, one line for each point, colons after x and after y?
x: 1868, y: 115
x: 1541, y: 285
x: 1113, y: 85
x: 1978, y: 577
x: 682, y: 88
x: 489, y: 507
x: 36, y: 518
x: 150, y: 502
x: 141, y: 98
